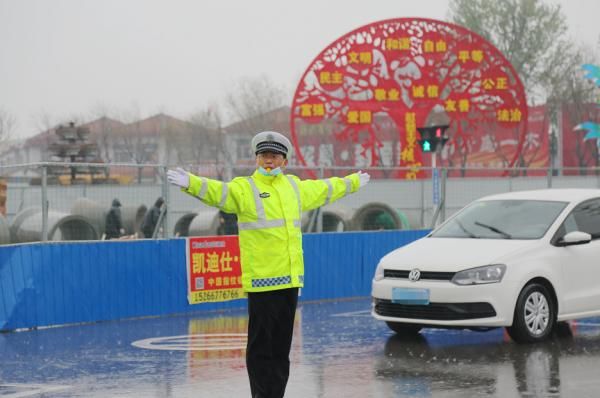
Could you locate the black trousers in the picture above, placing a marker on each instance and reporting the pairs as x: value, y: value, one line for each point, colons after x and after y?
x: 270, y: 327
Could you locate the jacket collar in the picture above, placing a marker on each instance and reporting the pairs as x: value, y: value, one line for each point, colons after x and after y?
x: 266, y: 179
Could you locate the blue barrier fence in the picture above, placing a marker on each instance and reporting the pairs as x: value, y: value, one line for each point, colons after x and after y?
x: 46, y: 284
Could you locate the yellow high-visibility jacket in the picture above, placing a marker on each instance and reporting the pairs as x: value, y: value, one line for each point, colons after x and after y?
x: 269, y: 211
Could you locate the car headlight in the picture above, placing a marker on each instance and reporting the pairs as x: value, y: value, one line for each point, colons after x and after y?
x: 480, y: 275
x: 378, y: 273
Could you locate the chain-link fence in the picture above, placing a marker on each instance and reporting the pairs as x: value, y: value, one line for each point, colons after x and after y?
x: 57, y: 202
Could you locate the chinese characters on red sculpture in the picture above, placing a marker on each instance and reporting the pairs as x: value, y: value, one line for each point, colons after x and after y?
x: 361, y: 100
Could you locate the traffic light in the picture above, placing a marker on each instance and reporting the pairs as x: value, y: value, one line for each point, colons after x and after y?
x: 426, y: 145
x: 432, y: 137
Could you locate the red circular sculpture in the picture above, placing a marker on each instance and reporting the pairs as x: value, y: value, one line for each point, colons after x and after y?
x: 360, y: 101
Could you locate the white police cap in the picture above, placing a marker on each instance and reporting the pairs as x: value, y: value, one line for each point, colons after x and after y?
x: 271, y: 141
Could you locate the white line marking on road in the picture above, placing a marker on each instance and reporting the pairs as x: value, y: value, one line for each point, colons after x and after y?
x: 28, y: 390
x: 195, y: 342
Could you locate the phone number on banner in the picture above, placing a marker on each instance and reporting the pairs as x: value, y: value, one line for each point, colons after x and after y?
x: 211, y: 296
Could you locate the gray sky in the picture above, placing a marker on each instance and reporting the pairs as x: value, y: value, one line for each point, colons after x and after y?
x: 63, y: 58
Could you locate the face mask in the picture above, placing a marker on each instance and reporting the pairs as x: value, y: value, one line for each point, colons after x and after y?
x: 272, y: 173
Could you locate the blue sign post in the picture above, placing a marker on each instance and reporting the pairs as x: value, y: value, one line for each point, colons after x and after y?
x: 436, y: 186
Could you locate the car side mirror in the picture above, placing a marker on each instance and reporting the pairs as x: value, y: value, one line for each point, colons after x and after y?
x: 575, y: 238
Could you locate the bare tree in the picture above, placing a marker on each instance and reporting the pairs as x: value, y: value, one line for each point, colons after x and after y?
x: 530, y: 33
x: 7, y: 124
x: 177, y: 138
x: 251, y: 100
x: 253, y: 105
x: 202, y: 142
x: 138, y: 143
x: 209, y: 142
x: 45, y: 124
x: 577, y: 103
x: 105, y: 132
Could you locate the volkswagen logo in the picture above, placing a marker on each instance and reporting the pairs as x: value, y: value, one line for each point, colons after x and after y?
x: 414, y: 275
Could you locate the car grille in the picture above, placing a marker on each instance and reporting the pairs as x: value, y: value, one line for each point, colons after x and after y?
x: 428, y: 275
x: 435, y: 311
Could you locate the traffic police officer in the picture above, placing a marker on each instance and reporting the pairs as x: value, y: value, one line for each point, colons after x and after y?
x: 269, y: 206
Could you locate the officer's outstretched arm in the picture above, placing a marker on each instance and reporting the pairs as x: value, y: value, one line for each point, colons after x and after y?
x: 317, y: 193
x: 225, y: 196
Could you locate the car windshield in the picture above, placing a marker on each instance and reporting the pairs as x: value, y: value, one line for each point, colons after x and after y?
x: 502, y: 219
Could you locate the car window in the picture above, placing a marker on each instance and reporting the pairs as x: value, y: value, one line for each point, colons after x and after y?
x: 570, y: 224
x: 502, y: 219
x: 587, y: 218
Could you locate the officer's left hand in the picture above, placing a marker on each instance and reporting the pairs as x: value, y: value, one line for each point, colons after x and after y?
x: 179, y: 177
x: 363, y: 178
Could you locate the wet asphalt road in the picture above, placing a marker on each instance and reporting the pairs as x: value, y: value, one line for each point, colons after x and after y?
x: 338, y: 351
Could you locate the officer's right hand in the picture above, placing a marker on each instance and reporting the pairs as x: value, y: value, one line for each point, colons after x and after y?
x: 179, y: 177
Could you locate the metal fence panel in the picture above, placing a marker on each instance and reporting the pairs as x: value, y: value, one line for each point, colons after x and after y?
x: 76, y: 208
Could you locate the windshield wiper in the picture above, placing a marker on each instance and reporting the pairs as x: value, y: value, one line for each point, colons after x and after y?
x: 494, y: 229
x: 466, y: 231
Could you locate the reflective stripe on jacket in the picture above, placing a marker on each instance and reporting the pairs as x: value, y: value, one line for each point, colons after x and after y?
x: 269, y: 211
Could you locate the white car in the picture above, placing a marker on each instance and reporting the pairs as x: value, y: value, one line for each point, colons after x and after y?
x: 520, y: 260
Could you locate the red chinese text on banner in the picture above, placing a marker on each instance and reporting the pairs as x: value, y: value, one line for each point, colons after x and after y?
x: 213, y: 269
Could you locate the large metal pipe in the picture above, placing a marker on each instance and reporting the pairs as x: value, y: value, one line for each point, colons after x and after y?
x: 182, y: 225
x: 132, y: 216
x: 376, y: 216
x: 202, y: 222
x: 336, y: 218
x: 206, y: 223
x: 18, y: 220
x: 27, y: 227
x: 91, y: 211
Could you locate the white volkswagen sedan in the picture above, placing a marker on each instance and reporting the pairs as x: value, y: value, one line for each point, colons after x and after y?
x: 520, y: 260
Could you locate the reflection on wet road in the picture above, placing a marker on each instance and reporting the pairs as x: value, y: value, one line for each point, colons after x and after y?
x: 338, y: 351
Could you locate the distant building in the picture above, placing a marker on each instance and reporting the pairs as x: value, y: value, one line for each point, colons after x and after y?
x: 159, y: 139
x: 163, y: 139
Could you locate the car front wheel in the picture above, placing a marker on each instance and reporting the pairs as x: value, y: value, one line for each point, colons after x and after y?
x: 535, y: 315
x: 404, y: 329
